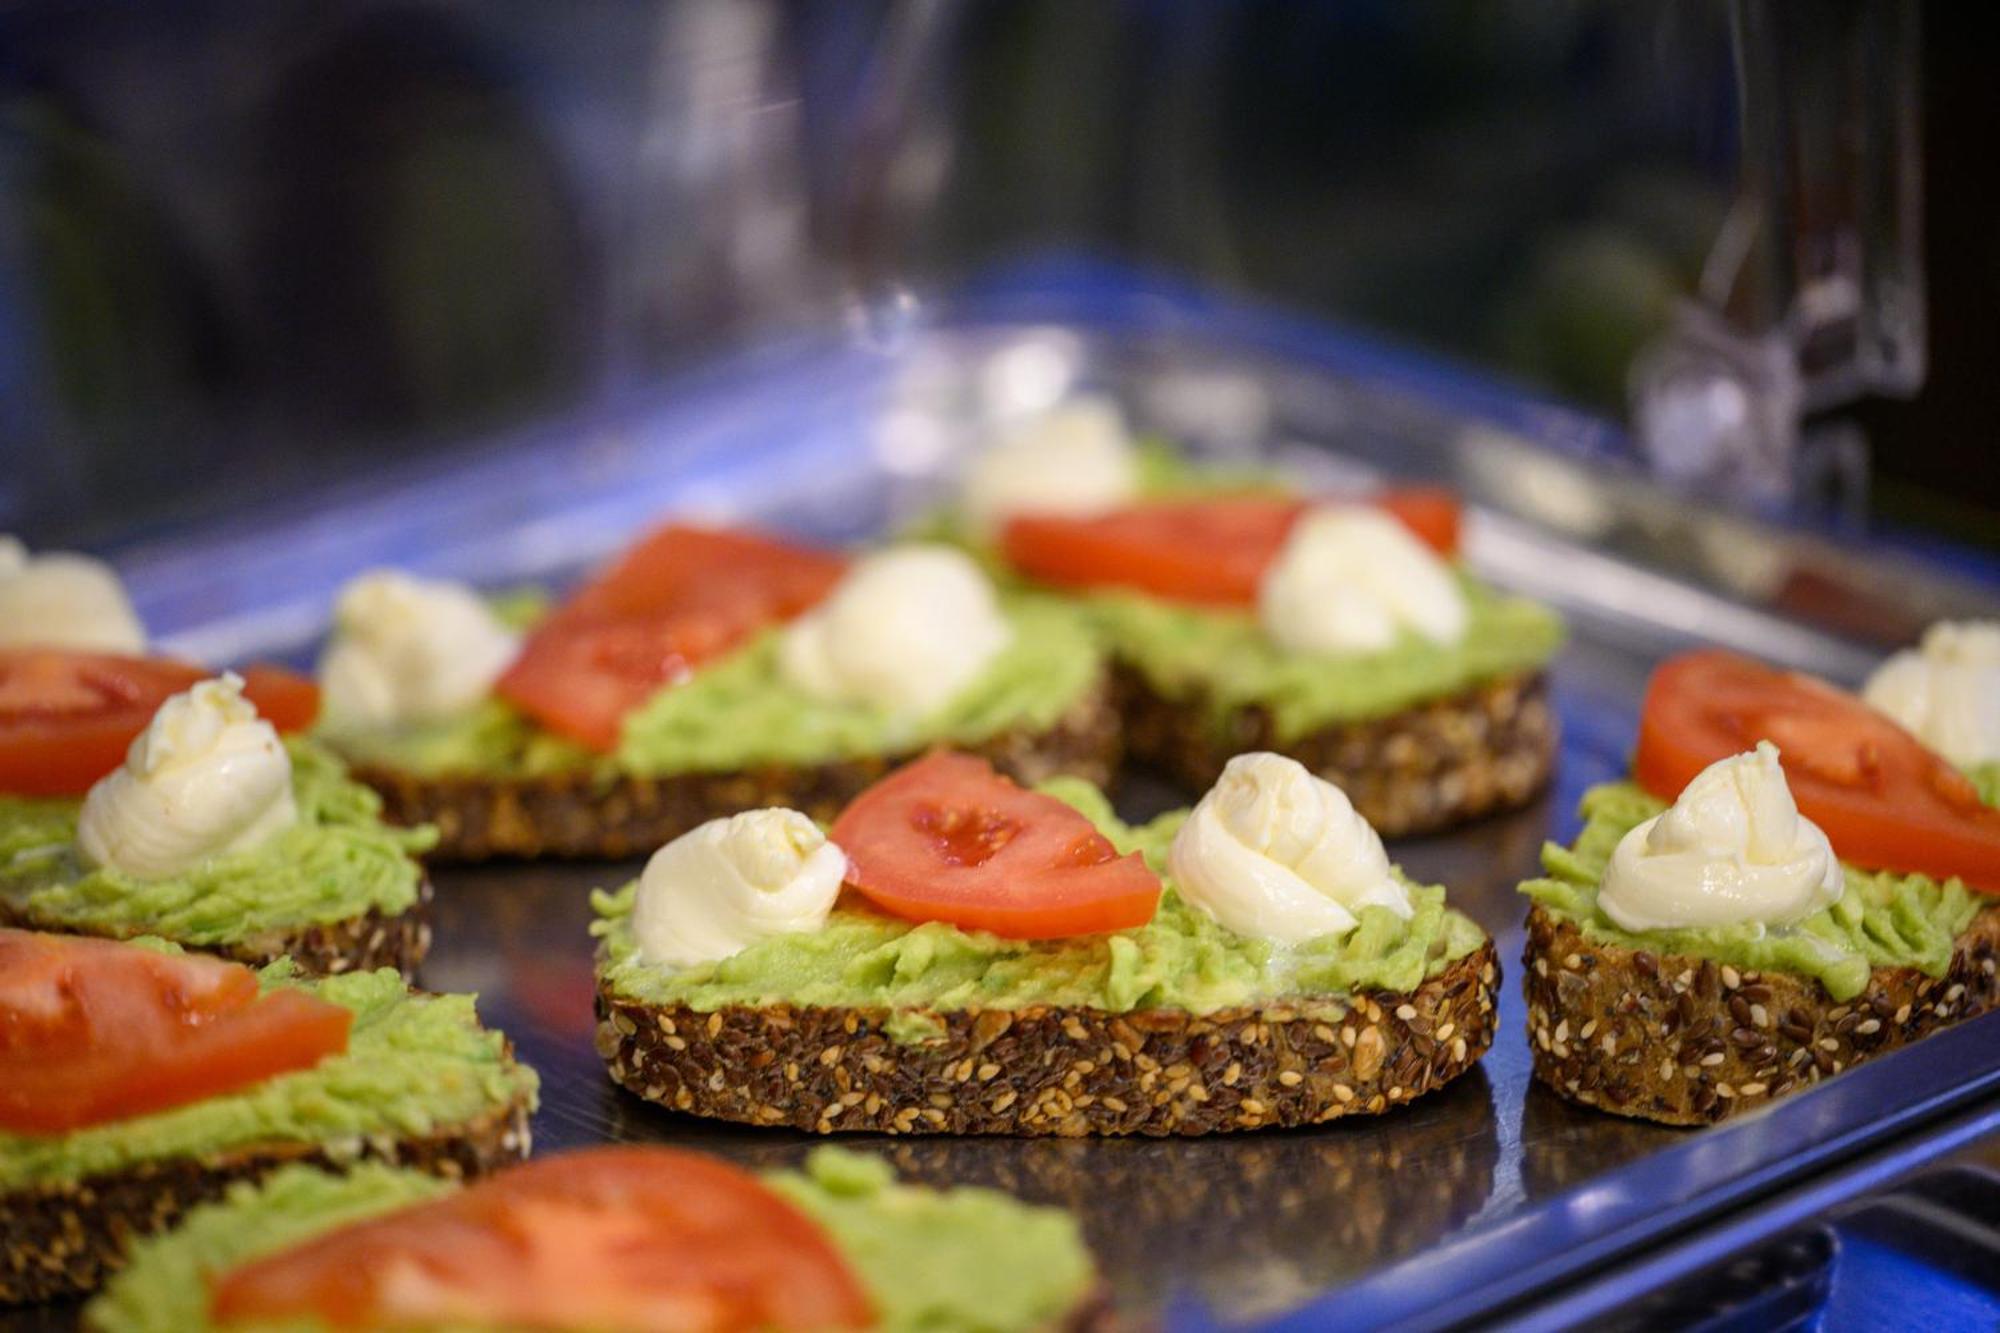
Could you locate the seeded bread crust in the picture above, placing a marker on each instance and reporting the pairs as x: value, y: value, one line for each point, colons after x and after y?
x: 1687, y: 1041
x: 354, y: 944
x: 1441, y: 763
x: 1047, y: 1070
x: 584, y: 814
x: 65, y: 1238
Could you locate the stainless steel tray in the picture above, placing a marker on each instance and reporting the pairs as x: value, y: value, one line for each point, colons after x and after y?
x: 1449, y: 1210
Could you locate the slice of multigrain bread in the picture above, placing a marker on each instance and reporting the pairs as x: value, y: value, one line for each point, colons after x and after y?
x: 353, y: 944
x: 588, y: 814
x: 1489, y: 749
x: 1687, y: 1041
x: 65, y: 1237
x: 1045, y: 1070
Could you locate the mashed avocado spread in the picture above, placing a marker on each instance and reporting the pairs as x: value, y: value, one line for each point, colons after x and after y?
x: 1224, y: 659
x: 954, y: 1261
x: 1181, y: 959
x: 414, y: 1064
x: 493, y: 738
x: 1882, y: 919
x: 338, y: 861
x: 739, y: 712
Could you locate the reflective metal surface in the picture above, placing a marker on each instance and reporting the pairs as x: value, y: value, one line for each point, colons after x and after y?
x: 1493, y: 1187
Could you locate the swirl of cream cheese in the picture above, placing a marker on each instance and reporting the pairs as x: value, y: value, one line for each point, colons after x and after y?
x: 1074, y: 460
x: 207, y: 777
x: 1278, y: 853
x: 1734, y: 849
x: 905, y: 630
x: 61, y: 600
x: 409, y: 650
x: 719, y: 888
x: 1351, y: 579
x: 1947, y: 691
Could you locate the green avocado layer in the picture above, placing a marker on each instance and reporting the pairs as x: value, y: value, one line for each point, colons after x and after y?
x: 1986, y: 779
x: 492, y: 738
x: 960, y: 1259
x: 932, y: 1261
x: 740, y: 712
x: 1881, y: 920
x: 1225, y: 659
x: 1181, y: 959
x: 415, y: 1064
x: 338, y: 861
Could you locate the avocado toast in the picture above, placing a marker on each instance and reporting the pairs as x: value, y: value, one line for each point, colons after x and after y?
x: 1692, y: 958
x: 837, y: 1244
x: 669, y: 690
x: 1426, y: 763
x: 1114, y: 1006
x: 1339, y: 634
x: 340, y: 890
x: 142, y: 1081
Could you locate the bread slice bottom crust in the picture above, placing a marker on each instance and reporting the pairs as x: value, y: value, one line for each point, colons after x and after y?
x: 1047, y: 1070
x: 1689, y: 1041
x: 1441, y: 763
x: 582, y: 814
x: 353, y: 944
x: 65, y: 1238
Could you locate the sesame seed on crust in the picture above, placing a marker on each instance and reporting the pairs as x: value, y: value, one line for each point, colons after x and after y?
x: 585, y: 814
x: 1683, y: 1041
x: 354, y: 944
x: 1489, y: 749
x: 1064, y: 1072
x: 65, y: 1238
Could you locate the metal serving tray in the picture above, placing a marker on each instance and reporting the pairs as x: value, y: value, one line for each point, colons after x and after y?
x: 1490, y: 1199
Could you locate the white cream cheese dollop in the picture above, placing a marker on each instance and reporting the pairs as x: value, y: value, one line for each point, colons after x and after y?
x: 1946, y: 691
x: 61, y: 600
x: 905, y: 630
x: 206, y: 777
x: 1351, y: 579
x: 719, y: 888
x: 1733, y: 849
x: 408, y: 650
x: 1275, y: 852
x: 1074, y: 460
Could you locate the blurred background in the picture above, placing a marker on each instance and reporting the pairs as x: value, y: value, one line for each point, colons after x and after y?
x: 250, y: 250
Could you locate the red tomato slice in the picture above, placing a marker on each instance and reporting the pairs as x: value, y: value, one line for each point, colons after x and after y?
x: 1886, y: 801
x: 681, y: 597
x: 1212, y: 552
x: 632, y: 1238
x: 1431, y: 512
x: 683, y: 567
x: 95, y: 1030
x: 66, y: 718
x: 948, y: 839
x: 285, y: 699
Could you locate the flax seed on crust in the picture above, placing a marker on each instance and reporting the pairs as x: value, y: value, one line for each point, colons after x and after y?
x: 585, y: 814
x: 1045, y: 1070
x: 1686, y: 1041
x: 1440, y: 763
x: 65, y: 1238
